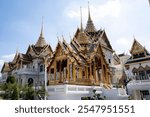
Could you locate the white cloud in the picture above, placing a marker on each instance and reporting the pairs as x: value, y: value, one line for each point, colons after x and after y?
x: 1, y: 62
x: 8, y: 57
x: 110, y: 8
x: 123, y: 41
x: 123, y: 44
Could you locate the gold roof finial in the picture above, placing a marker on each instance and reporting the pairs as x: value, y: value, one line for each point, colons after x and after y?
x: 17, y: 51
x: 41, y: 35
x: 89, y: 15
x: 134, y: 37
x: 41, y: 41
x: 81, y: 18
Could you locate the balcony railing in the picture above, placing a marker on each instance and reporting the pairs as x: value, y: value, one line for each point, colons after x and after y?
x: 137, y: 77
x: 26, y: 71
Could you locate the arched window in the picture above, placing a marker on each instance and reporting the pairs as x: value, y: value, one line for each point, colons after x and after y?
x: 41, y: 68
x: 141, y: 73
x: 30, y: 81
x: 134, y: 71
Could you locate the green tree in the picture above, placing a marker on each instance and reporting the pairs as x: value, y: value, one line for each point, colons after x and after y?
x: 7, y: 89
x: 15, y: 93
x: 11, y: 79
x: 10, y: 89
x: 27, y: 92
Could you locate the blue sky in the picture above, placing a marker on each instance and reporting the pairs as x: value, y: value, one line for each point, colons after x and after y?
x: 20, y: 22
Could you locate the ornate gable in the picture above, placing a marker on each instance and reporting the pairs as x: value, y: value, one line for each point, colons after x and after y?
x: 138, y: 51
x: 81, y: 37
x: 100, y: 52
x: 136, y: 47
x: 59, y: 50
x: 105, y: 41
x: 30, y: 51
x: 6, y: 67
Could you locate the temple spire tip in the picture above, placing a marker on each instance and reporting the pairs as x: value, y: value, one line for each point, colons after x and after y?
x: 81, y: 19
x: 89, y: 14
x: 41, y: 35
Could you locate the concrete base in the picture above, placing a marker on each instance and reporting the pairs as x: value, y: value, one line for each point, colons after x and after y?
x: 135, y: 86
x: 70, y: 92
x: 115, y: 94
x: 75, y: 92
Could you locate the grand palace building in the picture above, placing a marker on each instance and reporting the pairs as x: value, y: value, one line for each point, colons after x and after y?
x: 72, y: 70
x: 138, y: 69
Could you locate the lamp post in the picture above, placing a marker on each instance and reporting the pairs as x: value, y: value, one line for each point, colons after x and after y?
x: 45, y: 74
x: 45, y: 77
x: 129, y: 78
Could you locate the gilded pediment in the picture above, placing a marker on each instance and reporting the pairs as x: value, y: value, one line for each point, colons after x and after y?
x: 137, y: 48
x: 82, y: 38
x: 59, y: 50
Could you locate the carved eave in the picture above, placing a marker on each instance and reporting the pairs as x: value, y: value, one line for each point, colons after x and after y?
x: 23, y: 58
x: 38, y: 51
x: 103, y: 37
x: 6, y: 67
x: 30, y: 50
x: 76, y: 46
x: 67, y: 46
x: 74, y: 57
x: 101, y: 53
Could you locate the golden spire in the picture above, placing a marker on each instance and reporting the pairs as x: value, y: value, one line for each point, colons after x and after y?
x: 89, y: 26
x: 89, y: 15
x: 41, y: 35
x: 17, y: 51
x: 41, y: 41
x: 81, y: 18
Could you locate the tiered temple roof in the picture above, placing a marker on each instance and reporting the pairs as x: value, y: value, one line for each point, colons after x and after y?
x: 40, y: 49
x: 138, y: 53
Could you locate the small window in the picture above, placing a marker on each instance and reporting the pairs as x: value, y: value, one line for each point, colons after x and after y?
x: 30, y: 81
x: 109, y: 60
x: 41, y: 68
x: 145, y: 92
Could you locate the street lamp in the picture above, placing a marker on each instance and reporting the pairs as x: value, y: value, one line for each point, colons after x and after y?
x: 45, y: 74
x: 45, y: 83
x: 128, y: 79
